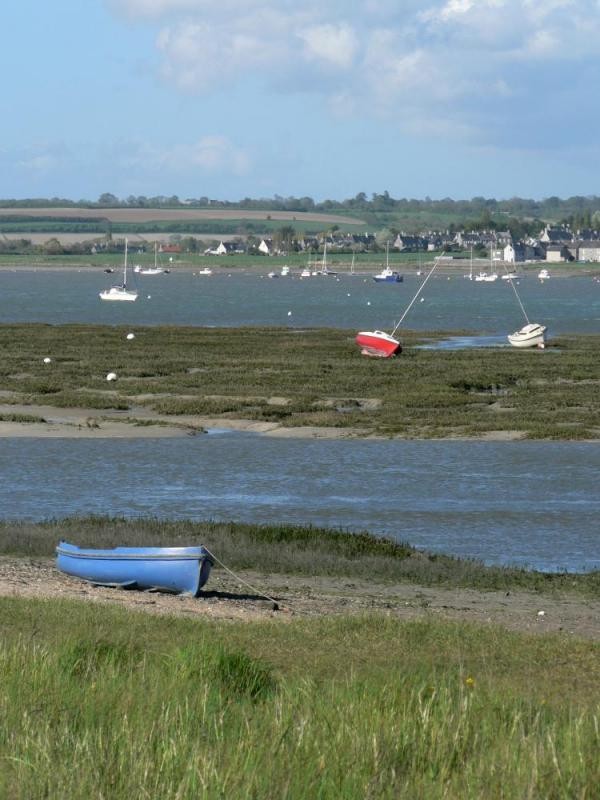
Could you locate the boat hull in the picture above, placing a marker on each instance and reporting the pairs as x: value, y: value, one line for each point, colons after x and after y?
x: 179, y: 570
x: 395, y: 277
x: 378, y: 344
x: 531, y: 335
x: 122, y: 295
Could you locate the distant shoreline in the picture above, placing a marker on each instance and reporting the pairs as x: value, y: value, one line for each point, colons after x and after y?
x: 452, y: 268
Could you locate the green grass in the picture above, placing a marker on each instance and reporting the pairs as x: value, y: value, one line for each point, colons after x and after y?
x: 98, y: 702
x: 424, y: 393
x: 292, y: 549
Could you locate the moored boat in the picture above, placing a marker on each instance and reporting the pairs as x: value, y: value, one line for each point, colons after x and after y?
x: 120, y: 291
x: 378, y: 343
x: 388, y: 276
x: 180, y: 570
x: 531, y: 335
x: 384, y: 345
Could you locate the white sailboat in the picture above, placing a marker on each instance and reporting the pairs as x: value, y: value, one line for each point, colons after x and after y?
x: 532, y: 334
x: 388, y: 275
x: 324, y: 270
x: 120, y: 291
x: 155, y: 270
x: 470, y: 275
x: 491, y: 276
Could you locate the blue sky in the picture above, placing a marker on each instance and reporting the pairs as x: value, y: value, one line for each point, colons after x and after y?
x: 325, y: 98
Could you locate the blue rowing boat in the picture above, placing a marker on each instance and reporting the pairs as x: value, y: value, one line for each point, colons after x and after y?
x: 181, y: 570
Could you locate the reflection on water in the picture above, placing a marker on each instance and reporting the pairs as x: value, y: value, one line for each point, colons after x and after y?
x: 528, y: 503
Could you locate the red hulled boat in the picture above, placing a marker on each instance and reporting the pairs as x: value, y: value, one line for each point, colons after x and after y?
x: 378, y: 344
x: 381, y: 344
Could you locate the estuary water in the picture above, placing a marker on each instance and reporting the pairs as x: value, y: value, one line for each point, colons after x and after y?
x: 449, y: 302
x: 529, y: 503
x: 534, y: 504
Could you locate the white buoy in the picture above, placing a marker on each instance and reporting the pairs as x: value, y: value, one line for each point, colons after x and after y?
x: 368, y: 302
x: 422, y: 299
x: 541, y: 613
x: 47, y: 360
x: 348, y: 294
x: 112, y: 376
x: 289, y: 313
x: 149, y: 296
x: 131, y: 335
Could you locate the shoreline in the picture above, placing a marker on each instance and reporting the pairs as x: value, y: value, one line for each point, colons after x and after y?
x: 139, y: 423
x: 453, y: 268
x: 225, y: 599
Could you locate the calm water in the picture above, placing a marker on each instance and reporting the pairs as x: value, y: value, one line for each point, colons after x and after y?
x: 565, y: 305
x: 528, y: 503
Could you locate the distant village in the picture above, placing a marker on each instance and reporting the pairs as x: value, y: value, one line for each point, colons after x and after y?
x: 553, y: 244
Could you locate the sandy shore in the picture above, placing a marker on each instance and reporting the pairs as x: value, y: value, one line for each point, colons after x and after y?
x: 231, y: 598
x: 141, y: 423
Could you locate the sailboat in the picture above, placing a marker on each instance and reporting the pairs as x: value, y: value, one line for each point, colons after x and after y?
x: 155, y: 270
x: 384, y: 345
x: 120, y: 291
x: 388, y: 275
x: 306, y: 273
x: 532, y: 334
x: 470, y: 275
x: 492, y: 276
x: 324, y: 270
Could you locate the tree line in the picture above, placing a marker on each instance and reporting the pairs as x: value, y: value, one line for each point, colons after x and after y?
x: 553, y: 208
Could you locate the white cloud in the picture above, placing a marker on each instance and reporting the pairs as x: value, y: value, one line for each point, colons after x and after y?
x: 332, y: 44
x: 209, y: 154
x: 461, y: 61
x: 41, y: 163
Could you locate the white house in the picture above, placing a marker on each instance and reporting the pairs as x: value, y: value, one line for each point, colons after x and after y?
x: 266, y: 246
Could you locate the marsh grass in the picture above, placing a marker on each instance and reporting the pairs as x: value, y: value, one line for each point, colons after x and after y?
x: 291, y: 549
x: 320, y: 375
x: 21, y: 418
x: 98, y: 702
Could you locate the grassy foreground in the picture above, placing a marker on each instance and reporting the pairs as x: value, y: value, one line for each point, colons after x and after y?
x: 98, y: 702
x: 311, y: 377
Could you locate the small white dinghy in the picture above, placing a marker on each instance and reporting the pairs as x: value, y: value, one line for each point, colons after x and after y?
x: 531, y: 335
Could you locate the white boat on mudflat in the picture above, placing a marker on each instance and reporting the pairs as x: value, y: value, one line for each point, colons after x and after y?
x: 486, y: 278
x: 531, y: 335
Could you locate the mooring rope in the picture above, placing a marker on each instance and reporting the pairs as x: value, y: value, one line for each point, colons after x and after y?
x: 412, y: 302
x: 237, y: 577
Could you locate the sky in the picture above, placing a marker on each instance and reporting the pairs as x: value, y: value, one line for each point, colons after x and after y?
x: 229, y: 99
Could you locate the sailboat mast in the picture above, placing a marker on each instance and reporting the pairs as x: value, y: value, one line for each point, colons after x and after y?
x: 125, y: 266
